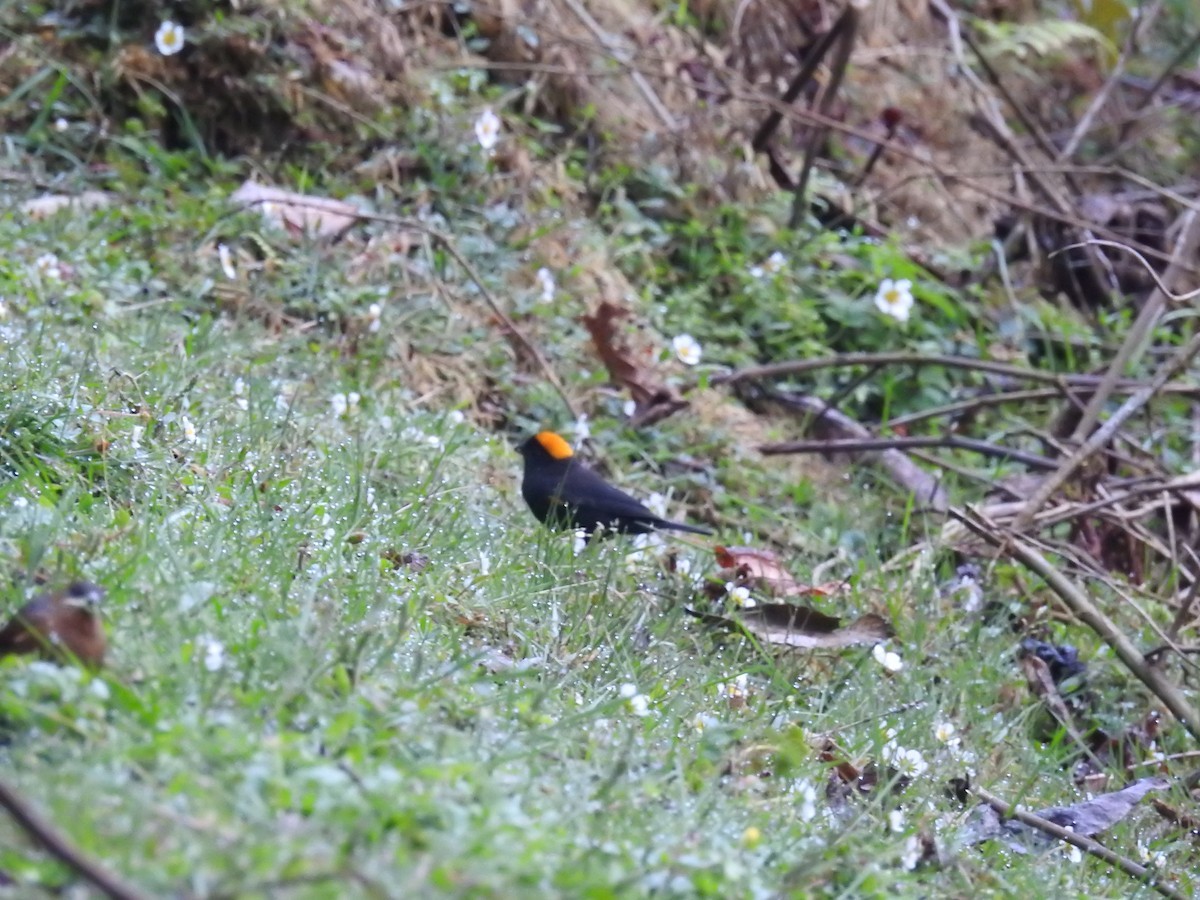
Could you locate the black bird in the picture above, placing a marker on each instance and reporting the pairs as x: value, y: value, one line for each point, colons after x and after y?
x: 564, y: 493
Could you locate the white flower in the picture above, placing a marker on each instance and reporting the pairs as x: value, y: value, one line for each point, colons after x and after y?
x: 344, y: 404
x: 912, y: 853
x: 645, y: 547
x: 546, y: 279
x: 487, y: 129
x: 895, y: 299
x: 583, y: 430
x: 61, y: 125
x: 214, y: 653
x: 627, y: 690
x: 807, y: 808
x: 775, y: 263
x: 757, y: 272
x: 910, y: 762
x: 374, y: 317
x: 189, y: 430
x: 1151, y: 858
x: 887, y: 658
x: 226, y: 259
x: 1074, y: 854
x: 169, y: 38
x: 49, y: 267
x: 580, y: 542
x: 741, y: 597
x: 629, y: 407
x: 687, y: 348
x: 639, y: 705
x: 944, y: 732
x: 456, y: 417
x: 239, y: 394
x: 895, y: 821
x: 735, y: 691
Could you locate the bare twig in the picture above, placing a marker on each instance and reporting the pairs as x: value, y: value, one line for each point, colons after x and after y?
x: 1095, y: 848
x: 54, y: 843
x: 799, y: 366
x: 950, y: 442
x: 1087, y: 612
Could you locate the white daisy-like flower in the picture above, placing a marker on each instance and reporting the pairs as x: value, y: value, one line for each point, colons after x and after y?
x: 1151, y: 857
x: 345, y: 404
x: 49, y: 266
x: 61, y: 124
x: 579, y: 542
x: 806, y: 809
x: 639, y: 705
x: 910, y: 762
x: 374, y: 317
x: 889, y: 659
x: 487, y: 129
x: 912, y: 853
x: 189, y: 430
x: 239, y: 394
x: 1074, y: 854
x: 169, y: 38
x: 213, y: 653
x: 545, y: 279
x: 895, y: 299
x: 740, y: 596
x: 944, y: 732
x: 226, y: 258
x: 735, y: 691
x: 895, y: 821
x: 775, y: 263
x: 583, y: 430
x: 686, y: 348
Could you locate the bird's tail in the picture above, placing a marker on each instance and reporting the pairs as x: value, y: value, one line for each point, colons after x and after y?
x: 680, y: 526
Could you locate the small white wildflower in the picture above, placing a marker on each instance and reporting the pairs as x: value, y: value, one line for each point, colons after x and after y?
x: 889, y: 659
x: 374, y: 317
x: 775, y: 263
x: 189, y: 430
x: 895, y: 299
x: 49, y: 267
x: 487, y: 129
x: 702, y: 721
x: 740, y: 596
x: 345, y: 404
x: 639, y: 705
x: 99, y: 688
x: 226, y: 259
x: 629, y: 407
x: 895, y: 821
x: 546, y: 280
x: 1151, y: 857
x: 583, y: 430
x: 944, y: 732
x: 214, y: 653
x: 169, y: 38
x: 686, y: 348
x: 910, y: 762
x: 757, y: 272
x: 456, y: 417
x: 61, y: 124
x: 239, y: 394
x: 627, y: 690
x: 1074, y: 854
x: 912, y: 853
x: 807, y: 807
x: 735, y: 692
x: 579, y: 542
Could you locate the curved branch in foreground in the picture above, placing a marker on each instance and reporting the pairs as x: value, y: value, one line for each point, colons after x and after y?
x: 48, y: 837
x: 1087, y: 612
x: 1095, y: 848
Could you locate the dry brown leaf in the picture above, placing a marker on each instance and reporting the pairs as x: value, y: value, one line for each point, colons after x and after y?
x: 648, y: 390
x: 801, y: 627
x: 299, y: 214
x: 48, y: 204
x: 756, y: 567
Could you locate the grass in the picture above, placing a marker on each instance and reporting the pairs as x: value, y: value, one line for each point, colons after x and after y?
x: 289, y: 712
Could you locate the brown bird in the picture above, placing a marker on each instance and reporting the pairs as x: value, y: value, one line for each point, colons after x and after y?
x: 59, y: 625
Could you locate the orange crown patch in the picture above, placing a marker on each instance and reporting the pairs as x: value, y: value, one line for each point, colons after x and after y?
x: 554, y: 445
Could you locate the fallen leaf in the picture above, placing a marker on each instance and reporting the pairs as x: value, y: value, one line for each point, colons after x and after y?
x: 48, y: 204
x: 299, y: 214
x: 654, y: 398
x: 756, y: 567
x: 801, y: 627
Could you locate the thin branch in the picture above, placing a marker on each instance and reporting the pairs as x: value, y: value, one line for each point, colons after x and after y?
x: 54, y: 843
x: 1077, y: 600
x: 1063, y: 380
x: 908, y: 443
x: 1094, y: 848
